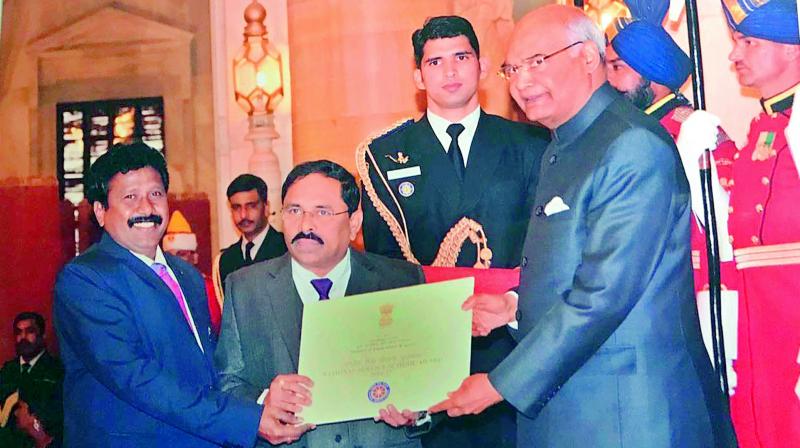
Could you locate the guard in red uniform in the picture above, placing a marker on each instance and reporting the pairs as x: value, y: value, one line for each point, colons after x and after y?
x: 764, y: 224
x: 646, y: 65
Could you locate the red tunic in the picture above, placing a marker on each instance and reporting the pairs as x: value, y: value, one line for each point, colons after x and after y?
x: 214, y: 311
x: 764, y: 225
x: 672, y: 112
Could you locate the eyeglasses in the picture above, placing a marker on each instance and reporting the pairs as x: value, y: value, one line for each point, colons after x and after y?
x: 319, y: 214
x: 535, y: 62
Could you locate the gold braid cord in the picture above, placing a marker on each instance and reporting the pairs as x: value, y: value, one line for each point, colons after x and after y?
x: 217, y: 280
x: 454, y: 240
x: 450, y: 248
x: 400, y: 233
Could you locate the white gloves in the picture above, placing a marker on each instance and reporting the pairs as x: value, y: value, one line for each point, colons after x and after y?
x: 792, y: 133
x: 698, y: 133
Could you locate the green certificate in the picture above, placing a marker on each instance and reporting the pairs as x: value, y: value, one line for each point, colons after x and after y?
x: 407, y: 347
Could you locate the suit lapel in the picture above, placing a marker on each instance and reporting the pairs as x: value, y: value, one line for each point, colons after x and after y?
x: 363, y: 277
x: 197, y: 308
x: 149, y: 277
x: 287, y: 308
x: 484, y: 156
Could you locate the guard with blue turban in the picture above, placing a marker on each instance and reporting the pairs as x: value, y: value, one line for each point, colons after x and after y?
x: 646, y: 65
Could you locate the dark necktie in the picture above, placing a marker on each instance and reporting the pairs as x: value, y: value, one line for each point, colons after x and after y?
x: 248, y: 259
x: 454, y: 152
x: 25, y: 368
x: 323, y: 287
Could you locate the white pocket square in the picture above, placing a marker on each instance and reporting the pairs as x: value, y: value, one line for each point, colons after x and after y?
x: 556, y: 205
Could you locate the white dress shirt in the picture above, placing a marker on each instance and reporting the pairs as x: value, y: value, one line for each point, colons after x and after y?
x: 470, y: 123
x: 257, y: 242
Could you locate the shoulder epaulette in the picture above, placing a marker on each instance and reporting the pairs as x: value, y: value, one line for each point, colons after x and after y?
x: 397, y: 127
x: 681, y: 113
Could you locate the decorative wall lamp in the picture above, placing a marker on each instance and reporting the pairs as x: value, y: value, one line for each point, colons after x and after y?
x: 258, y: 87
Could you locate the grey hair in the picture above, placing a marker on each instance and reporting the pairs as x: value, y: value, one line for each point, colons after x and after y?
x: 583, y: 28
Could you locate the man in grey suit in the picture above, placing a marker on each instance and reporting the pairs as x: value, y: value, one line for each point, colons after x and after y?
x: 259, y: 343
x: 609, y: 349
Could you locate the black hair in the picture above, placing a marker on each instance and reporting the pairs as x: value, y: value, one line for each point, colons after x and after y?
x: 122, y: 158
x: 247, y: 182
x: 443, y: 27
x: 351, y: 195
x: 37, y: 319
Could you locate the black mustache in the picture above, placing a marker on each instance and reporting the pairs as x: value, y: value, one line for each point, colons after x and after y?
x: 149, y: 218
x: 244, y: 222
x: 310, y: 235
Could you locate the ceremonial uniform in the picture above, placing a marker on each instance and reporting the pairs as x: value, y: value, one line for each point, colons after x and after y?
x: 764, y: 224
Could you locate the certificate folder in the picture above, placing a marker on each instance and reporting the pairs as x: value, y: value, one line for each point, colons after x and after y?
x: 407, y: 347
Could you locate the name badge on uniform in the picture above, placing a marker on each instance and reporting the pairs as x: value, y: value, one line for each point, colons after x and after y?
x: 402, y: 173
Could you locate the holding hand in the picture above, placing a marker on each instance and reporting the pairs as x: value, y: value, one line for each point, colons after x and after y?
x: 287, y: 396
x: 490, y: 311
x: 474, y: 395
x: 392, y: 417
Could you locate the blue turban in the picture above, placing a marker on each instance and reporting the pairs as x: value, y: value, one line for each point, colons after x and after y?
x: 774, y: 20
x: 644, y: 45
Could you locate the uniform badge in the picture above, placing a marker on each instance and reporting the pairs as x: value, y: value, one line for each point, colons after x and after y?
x: 399, y: 158
x: 378, y: 392
x: 763, y: 149
x: 405, y: 189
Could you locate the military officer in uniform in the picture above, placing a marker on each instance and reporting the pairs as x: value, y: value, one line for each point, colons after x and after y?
x: 423, y: 177
x: 764, y: 224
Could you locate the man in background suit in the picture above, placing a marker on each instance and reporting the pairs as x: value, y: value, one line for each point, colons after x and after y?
x: 457, y: 161
x: 134, y: 329
x: 36, y: 376
x: 247, y: 197
x: 609, y: 349
x: 260, y: 341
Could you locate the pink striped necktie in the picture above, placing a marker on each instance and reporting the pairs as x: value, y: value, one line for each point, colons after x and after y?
x: 161, y: 270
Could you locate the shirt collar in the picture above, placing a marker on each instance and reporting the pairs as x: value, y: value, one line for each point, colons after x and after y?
x: 440, y: 124
x: 339, y: 275
x: 257, y: 242
x: 33, y: 361
x: 581, y: 121
x: 149, y: 261
x: 662, y: 107
x: 779, y: 102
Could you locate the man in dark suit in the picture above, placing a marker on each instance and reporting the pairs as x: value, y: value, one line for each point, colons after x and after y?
x: 609, y: 349
x: 134, y: 329
x: 247, y: 197
x: 36, y: 376
x: 260, y: 340
x: 456, y: 162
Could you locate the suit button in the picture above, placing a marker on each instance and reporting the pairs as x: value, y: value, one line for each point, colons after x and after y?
x: 524, y: 261
x: 338, y: 438
x: 765, y: 180
x: 518, y: 315
x: 755, y: 239
x: 553, y: 159
x: 759, y: 208
x: 539, y: 210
